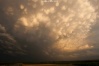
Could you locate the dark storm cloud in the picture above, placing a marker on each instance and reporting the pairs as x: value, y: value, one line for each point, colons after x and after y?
x: 10, y: 12
x: 8, y: 44
x: 33, y: 27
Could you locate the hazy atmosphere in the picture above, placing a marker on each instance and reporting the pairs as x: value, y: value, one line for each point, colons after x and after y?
x: 49, y: 30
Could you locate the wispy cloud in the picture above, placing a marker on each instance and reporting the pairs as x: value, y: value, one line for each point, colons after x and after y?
x: 8, y: 45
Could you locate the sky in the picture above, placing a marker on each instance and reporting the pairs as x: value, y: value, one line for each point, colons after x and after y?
x: 49, y: 30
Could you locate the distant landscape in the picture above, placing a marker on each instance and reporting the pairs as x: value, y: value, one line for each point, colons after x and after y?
x: 55, y: 63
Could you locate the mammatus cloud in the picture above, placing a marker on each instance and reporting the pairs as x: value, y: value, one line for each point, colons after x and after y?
x: 69, y: 24
x: 58, y: 29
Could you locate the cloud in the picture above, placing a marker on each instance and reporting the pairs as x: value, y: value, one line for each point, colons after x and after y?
x: 2, y: 29
x: 8, y: 43
x: 58, y: 30
x: 67, y: 26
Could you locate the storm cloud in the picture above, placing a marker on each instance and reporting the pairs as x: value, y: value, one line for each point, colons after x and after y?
x: 62, y: 30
